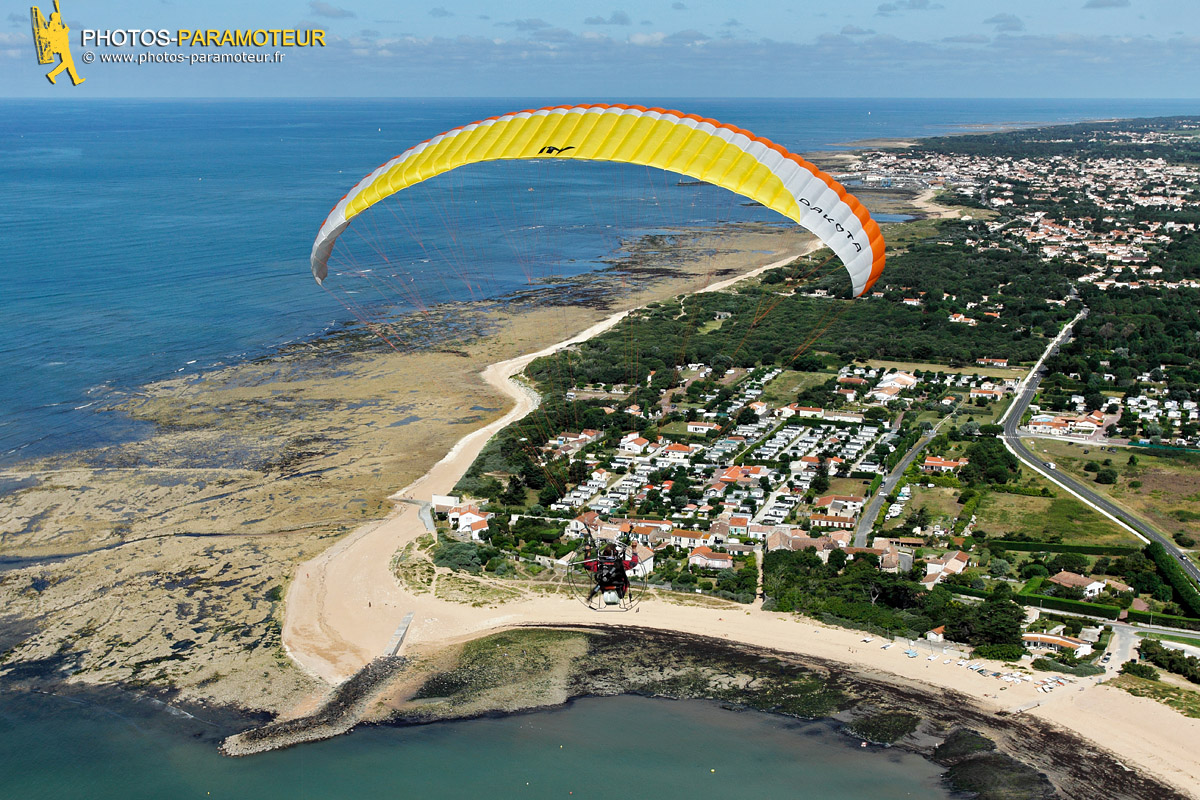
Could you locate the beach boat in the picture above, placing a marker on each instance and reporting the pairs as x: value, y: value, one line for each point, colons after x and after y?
x: 910, y: 653
x: 868, y: 639
x: 932, y: 658
x: 947, y: 661
x: 886, y: 646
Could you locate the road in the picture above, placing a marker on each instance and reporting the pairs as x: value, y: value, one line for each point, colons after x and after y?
x: 1012, y: 440
x: 867, y: 520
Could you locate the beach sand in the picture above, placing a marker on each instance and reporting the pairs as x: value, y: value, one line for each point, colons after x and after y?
x: 160, y: 563
x: 344, y: 606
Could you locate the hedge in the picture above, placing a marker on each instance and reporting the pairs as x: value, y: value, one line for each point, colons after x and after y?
x: 1044, y: 601
x: 964, y: 516
x: 1058, y: 547
x: 1170, y: 570
x: 1032, y: 586
x: 1063, y: 604
x: 1165, y: 620
x: 1000, y: 652
x: 944, y: 481
x: 1027, y: 491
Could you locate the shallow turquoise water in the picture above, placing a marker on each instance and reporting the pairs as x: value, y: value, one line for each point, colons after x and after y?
x: 623, y: 747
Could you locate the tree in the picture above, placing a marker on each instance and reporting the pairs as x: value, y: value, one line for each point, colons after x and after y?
x: 514, y: 493
x: 999, y: 618
x: 1139, y: 670
x: 837, y: 559
x: 1106, y: 475
x: 1069, y: 562
x: 820, y: 482
x: 1032, y: 569
x: 989, y: 462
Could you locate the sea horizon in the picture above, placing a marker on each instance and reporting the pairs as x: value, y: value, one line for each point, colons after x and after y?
x: 106, y: 244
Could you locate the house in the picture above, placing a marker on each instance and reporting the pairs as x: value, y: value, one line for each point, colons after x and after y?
x: 793, y: 539
x: 1089, y: 586
x: 738, y: 526
x: 951, y: 563
x: 884, y: 394
x: 963, y: 320
x: 938, y: 634
x: 587, y: 521
x: 807, y: 411
x: 841, y: 503
x: 1058, y: 643
x: 992, y: 362
x: 937, y: 464
x: 688, y: 539
x: 676, y: 452
x: 477, y: 529
x: 442, y: 503
x: 901, y: 379
x: 831, y: 521
x: 461, y: 517
x: 637, y: 444
x: 706, y: 558
x: 703, y: 428
x: 645, y: 557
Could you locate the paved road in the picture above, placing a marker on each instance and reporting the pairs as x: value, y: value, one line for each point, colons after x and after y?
x: 867, y: 520
x: 1012, y: 439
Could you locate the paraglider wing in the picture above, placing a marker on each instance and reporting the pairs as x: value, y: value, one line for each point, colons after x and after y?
x: 699, y: 148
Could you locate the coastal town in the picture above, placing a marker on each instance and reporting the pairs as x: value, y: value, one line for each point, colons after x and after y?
x: 946, y: 481
x: 711, y: 470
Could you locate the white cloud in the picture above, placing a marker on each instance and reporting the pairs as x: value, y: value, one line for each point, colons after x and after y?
x: 532, y: 24
x: 854, y: 30
x: 617, y: 18
x: 1006, y: 22
x: 647, y: 39
x: 326, y: 10
x: 1106, y: 4
x: 440, y: 12
x: 885, y: 9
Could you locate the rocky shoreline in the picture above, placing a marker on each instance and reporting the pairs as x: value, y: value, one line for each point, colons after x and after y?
x: 538, y: 667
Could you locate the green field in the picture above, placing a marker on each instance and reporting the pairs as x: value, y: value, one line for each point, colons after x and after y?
x: 939, y: 502
x: 850, y: 486
x: 1169, y: 492
x: 1061, y: 518
x: 783, y: 390
x: 968, y: 369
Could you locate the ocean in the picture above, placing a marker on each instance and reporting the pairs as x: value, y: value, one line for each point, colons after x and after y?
x: 151, y: 239
x: 593, y: 748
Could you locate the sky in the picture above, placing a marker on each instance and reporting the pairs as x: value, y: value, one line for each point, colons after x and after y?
x: 648, y: 48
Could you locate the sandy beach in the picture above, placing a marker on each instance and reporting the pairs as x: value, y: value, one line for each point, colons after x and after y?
x: 344, y: 606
